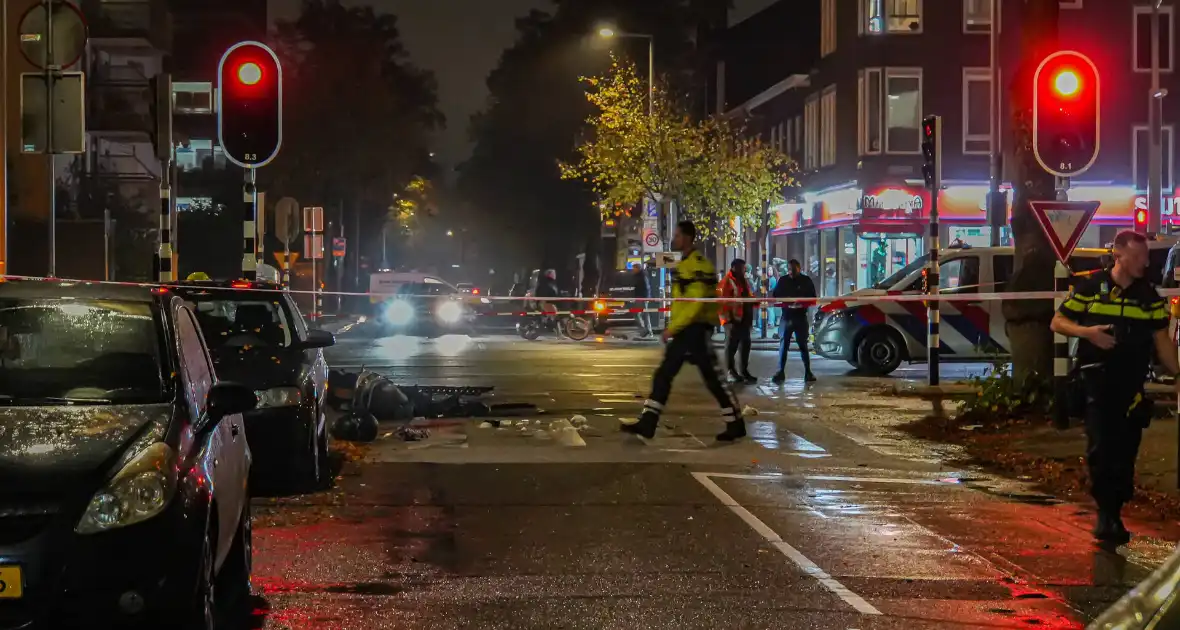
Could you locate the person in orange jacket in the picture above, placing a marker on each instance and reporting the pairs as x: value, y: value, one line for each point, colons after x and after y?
x: 738, y: 319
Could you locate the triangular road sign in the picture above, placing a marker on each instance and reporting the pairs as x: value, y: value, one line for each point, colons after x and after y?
x: 1064, y: 222
x: 281, y: 257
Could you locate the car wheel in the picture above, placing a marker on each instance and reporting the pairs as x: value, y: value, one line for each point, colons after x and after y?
x: 204, y: 614
x: 234, y: 581
x: 879, y: 352
x: 307, y: 465
x: 855, y: 365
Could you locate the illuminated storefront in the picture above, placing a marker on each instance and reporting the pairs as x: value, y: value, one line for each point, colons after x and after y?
x: 848, y: 238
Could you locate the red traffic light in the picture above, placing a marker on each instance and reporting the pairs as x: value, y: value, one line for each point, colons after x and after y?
x: 1066, y: 113
x: 1140, y: 220
x: 1067, y: 83
x: 249, y: 73
x: 250, y: 104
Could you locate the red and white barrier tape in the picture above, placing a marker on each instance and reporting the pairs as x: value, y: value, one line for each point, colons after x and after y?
x: 836, y: 301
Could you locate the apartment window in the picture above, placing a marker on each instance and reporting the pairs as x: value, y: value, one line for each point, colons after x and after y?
x: 811, y: 140
x: 977, y: 16
x: 798, y: 134
x: 890, y: 16
x: 1141, y: 39
x: 977, y: 115
x: 827, y: 40
x: 903, y: 110
x: 827, y: 107
x: 1141, y: 156
x: 192, y: 98
x: 870, y: 98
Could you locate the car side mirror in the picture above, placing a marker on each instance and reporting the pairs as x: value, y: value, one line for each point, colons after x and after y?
x: 226, y: 399
x: 319, y: 339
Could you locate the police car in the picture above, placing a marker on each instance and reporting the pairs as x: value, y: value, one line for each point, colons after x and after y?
x: 876, y: 336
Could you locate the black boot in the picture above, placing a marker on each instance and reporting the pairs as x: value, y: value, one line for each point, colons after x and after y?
x: 734, y: 430
x: 749, y: 378
x: 809, y: 377
x: 646, y: 427
x: 779, y: 377
x: 734, y: 377
x: 1110, y: 529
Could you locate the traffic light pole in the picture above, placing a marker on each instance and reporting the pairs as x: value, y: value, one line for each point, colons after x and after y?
x: 249, y: 241
x: 164, y: 271
x: 997, y: 206
x: 1060, y: 341
x: 1155, y: 132
x: 932, y: 174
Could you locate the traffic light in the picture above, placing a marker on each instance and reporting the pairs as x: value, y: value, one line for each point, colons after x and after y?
x: 932, y: 152
x: 250, y: 104
x: 1066, y: 116
x: 1141, y: 220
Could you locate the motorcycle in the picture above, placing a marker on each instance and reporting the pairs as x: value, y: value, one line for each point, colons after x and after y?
x: 573, y: 327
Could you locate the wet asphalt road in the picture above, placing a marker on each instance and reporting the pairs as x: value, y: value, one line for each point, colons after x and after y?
x: 826, y: 518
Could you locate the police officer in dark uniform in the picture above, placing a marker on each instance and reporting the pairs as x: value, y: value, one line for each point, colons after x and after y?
x: 1120, y: 320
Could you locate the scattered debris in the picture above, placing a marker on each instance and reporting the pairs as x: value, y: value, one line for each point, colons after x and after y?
x: 749, y: 411
x: 412, y: 434
x: 488, y: 425
x: 578, y: 419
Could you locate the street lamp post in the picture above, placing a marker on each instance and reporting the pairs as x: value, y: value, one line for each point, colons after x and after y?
x: 1155, y: 102
x: 610, y: 33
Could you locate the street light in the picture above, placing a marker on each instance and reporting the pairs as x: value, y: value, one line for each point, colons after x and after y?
x: 450, y: 233
x: 607, y: 32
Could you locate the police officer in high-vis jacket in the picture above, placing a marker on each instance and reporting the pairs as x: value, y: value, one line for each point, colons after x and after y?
x: 689, y: 338
x: 1120, y: 321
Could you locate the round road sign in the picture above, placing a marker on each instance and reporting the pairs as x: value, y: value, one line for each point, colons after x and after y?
x: 69, y: 35
x: 652, y: 239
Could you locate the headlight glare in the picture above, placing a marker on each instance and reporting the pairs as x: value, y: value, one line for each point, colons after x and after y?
x: 279, y: 397
x: 450, y: 312
x: 140, y: 491
x: 400, y: 313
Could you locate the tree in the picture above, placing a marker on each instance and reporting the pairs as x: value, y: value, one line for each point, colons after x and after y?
x: 1028, y: 320
x: 712, y: 170
x: 358, y: 115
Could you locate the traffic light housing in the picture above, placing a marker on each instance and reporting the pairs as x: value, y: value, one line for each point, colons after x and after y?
x: 932, y: 152
x: 1066, y: 113
x: 1141, y: 220
x: 250, y: 104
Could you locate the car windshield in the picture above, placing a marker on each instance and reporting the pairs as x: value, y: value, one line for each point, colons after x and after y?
x: 258, y: 322
x: 64, y: 351
x: 900, y: 274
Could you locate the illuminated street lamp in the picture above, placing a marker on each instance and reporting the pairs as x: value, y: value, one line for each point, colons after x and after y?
x: 607, y: 32
x: 450, y: 233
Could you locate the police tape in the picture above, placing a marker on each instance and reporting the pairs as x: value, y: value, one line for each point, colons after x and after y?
x: 604, y: 304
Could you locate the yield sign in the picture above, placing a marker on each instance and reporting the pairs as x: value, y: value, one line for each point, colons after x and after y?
x: 1064, y: 222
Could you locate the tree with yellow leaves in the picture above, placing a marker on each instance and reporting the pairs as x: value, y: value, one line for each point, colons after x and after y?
x: 709, y: 169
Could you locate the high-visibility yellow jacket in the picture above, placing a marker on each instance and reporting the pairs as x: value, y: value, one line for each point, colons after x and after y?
x: 693, y: 277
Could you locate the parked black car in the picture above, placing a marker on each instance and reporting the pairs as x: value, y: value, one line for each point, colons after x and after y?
x: 123, y: 462
x: 258, y: 337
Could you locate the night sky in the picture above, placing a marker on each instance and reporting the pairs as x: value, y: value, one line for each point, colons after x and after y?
x: 461, y: 41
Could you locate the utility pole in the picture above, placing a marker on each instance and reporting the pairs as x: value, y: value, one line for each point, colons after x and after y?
x: 997, y: 204
x: 5, y: 61
x: 51, y: 158
x: 1155, y: 102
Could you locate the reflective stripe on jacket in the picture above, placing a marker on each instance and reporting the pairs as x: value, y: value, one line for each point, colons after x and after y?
x: 693, y: 277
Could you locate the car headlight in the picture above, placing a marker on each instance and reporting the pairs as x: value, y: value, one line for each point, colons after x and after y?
x: 450, y: 312
x: 279, y: 397
x: 400, y: 313
x: 141, y: 490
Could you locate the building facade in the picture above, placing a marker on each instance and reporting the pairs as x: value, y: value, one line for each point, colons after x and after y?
x: 852, y: 121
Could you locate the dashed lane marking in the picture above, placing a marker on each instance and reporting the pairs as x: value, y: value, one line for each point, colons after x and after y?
x: 800, y: 560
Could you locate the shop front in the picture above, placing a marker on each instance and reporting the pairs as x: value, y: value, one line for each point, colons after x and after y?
x: 849, y: 238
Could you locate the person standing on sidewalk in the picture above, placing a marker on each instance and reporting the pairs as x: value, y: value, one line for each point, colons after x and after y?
x: 1119, y: 319
x: 738, y: 319
x: 689, y: 338
x: 794, y: 319
x: 642, y: 290
x: 772, y: 312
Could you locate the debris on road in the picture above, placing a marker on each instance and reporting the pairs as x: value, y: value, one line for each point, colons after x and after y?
x: 749, y: 411
x: 411, y: 434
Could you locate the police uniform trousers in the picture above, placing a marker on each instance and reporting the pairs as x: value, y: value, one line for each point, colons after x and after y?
x: 693, y: 344
x: 1114, y: 428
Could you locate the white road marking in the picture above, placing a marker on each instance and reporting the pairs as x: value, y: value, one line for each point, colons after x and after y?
x: 773, y: 476
x: 801, y: 561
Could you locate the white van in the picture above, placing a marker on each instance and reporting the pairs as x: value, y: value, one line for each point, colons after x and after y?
x: 384, y: 285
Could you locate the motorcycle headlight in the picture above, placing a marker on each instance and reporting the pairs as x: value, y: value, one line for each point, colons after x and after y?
x: 599, y: 305
x: 141, y: 490
x: 279, y: 397
x: 400, y: 313
x: 450, y: 312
